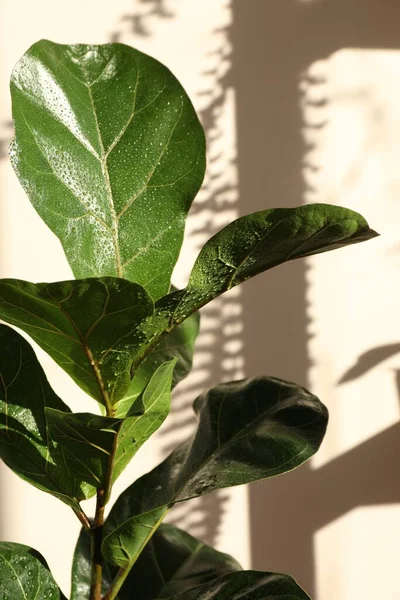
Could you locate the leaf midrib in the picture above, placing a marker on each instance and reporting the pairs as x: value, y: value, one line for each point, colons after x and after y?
x: 88, y: 352
x: 176, y: 491
x: 16, y: 576
x: 106, y: 176
x: 103, y: 158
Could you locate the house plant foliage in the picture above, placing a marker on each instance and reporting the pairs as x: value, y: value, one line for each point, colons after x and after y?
x: 111, y: 154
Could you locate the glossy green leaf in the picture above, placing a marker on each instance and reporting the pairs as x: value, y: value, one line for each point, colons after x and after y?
x: 255, y: 243
x: 123, y: 546
x: 173, y: 562
x: 247, y: 585
x: 248, y: 430
x: 25, y: 447
x: 88, y: 327
x: 111, y: 153
x: 81, y: 569
x: 179, y: 343
x: 145, y: 417
x: 86, y: 442
x: 24, y: 575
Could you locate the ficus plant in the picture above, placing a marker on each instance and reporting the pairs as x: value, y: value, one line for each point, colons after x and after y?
x: 111, y: 154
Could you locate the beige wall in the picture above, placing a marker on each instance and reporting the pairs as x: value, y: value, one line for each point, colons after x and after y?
x: 300, y: 101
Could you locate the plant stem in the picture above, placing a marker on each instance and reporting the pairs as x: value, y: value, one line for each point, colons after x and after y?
x: 97, y: 561
x: 83, y: 518
x: 103, y: 496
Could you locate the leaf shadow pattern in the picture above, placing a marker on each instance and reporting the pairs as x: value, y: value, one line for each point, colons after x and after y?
x: 369, y: 360
x: 138, y: 20
x: 218, y: 356
x: 274, y: 45
x: 5, y: 137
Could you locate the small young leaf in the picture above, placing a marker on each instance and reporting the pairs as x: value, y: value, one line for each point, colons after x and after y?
x: 179, y: 343
x: 111, y: 153
x: 245, y: 585
x: 174, y: 562
x: 24, y: 575
x: 86, y: 442
x: 257, y: 242
x: 89, y: 327
x: 248, y: 430
x: 148, y: 414
x: 25, y: 447
x: 125, y: 544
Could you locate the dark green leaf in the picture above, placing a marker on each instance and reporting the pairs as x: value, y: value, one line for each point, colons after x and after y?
x: 86, y: 442
x: 173, y: 562
x: 88, y: 327
x: 248, y: 430
x: 251, y: 245
x: 24, y: 575
x: 247, y: 585
x: 81, y: 569
x: 257, y: 242
x: 145, y: 417
x: 179, y: 343
x: 25, y: 447
x: 111, y: 154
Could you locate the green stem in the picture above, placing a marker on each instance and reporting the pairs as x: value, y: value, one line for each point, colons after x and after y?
x: 103, y: 496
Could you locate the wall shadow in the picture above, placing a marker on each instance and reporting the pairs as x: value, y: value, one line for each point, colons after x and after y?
x: 138, y: 21
x: 6, y: 135
x: 273, y: 44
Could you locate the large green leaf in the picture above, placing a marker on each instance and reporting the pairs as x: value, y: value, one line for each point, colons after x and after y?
x: 247, y: 585
x: 24, y: 575
x: 25, y: 447
x: 173, y: 562
x: 145, y: 417
x: 253, y: 244
x: 86, y: 442
x: 248, y: 430
x: 89, y: 327
x: 111, y: 154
